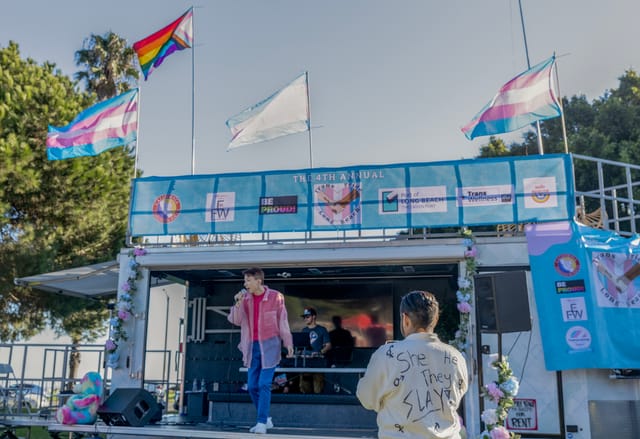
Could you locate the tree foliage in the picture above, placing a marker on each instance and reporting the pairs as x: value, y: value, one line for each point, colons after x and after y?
x: 56, y: 214
x: 108, y: 63
x: 606, y: 128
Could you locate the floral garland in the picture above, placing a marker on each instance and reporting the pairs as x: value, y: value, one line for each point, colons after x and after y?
x: 502, y: 391
x: 465, y: 291
x: 124, y: 307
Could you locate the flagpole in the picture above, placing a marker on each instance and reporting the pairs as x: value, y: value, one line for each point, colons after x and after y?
x: 193, y: 94
x: 564, y: 125
x: 135, y: 162
x: 526, y: 51
x: 309, y: 121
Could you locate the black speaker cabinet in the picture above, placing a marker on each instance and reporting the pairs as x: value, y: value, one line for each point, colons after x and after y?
x: 502, y: 302
x: 129, y: 407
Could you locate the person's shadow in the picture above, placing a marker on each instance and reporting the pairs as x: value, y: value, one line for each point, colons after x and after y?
x: 342, y: 343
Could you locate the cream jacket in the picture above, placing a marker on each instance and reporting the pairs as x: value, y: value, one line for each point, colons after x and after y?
x: 415, y: 385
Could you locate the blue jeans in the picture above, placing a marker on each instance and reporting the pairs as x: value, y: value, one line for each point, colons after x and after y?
x: 259, y: 384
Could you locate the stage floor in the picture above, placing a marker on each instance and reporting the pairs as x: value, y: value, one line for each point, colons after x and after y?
x: 213, y: 431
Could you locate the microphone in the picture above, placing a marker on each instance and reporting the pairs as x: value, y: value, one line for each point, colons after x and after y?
x: 240, y: 294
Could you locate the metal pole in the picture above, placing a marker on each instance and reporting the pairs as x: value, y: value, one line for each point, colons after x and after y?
x: 135, y: 161
x: 309, y: 120
x: 564, y: 125
x: 165, y: 373
x: 193, y: 93
x: 526, y: 51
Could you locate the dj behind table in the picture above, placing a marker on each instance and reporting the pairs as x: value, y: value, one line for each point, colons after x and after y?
x: 303, y: 355
x: 306, y: 361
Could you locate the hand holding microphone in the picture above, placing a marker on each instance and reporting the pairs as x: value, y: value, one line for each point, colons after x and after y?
x: 240, y: 295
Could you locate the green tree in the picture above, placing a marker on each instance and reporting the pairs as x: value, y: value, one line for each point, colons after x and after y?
x: 56, y: 214
x: 108, y: 63
x: 606, y: 128
x: 495, y: 148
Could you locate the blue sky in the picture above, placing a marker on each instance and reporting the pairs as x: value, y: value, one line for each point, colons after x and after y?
x: 390, y: 81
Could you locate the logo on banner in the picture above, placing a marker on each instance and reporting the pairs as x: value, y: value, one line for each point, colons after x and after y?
x: 424, y: 199
x: 166, y: 208
x: 220, y: 207
x: 578, y: 338
x: 614, y: 276
x: 540, y: 192
x: 570, y: 286
x: 476, y: 196
x: 573, y: 309
x: 567, y: 265
x: 337, y: 203
x: 278, y: 205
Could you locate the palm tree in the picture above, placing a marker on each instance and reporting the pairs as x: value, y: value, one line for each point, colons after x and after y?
x: 109, y: 69
x: 109, y: 63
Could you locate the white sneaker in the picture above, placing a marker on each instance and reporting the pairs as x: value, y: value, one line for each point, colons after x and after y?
x: 259, y: 428
x: 269, y: 422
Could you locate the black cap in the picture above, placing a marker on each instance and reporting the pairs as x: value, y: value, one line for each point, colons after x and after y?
x: 309, y: 311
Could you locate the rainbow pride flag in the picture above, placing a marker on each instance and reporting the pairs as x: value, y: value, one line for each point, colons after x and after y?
x: 105, y: 125
x: 153, y: 49
x: 527, y: 98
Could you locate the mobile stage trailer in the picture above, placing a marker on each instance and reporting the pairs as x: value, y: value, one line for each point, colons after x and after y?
x: 361, y: 278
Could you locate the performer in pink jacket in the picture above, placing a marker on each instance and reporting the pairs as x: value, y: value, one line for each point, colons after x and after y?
x: 264, y: 328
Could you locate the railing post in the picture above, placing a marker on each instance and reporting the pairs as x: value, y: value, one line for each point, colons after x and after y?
x: 631, y: 205
x: 614, y: 209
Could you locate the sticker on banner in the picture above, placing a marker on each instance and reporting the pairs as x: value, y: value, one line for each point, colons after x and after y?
x: 337, y: 204
x: 540, y: 192
x: 567, y: 265
x: 166, y: 208
x: 477, y: 196
x: 220, y: 207
x: 578, y: 338
x: 424, y: 199
x: 573, y: 309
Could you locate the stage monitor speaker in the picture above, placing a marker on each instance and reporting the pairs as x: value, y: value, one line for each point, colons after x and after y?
x: 129, y: 407
x: 503, y: 302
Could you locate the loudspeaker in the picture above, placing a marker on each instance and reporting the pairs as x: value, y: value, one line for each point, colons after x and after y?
x: 502, y: 302
x: 129, y: 407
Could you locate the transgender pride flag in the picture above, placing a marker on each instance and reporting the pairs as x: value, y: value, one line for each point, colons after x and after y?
x: 106, y: 125
x: 527, y: 98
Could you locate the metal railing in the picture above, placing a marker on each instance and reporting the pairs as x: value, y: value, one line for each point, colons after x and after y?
x: 35, y: 377
x: 611, y: 187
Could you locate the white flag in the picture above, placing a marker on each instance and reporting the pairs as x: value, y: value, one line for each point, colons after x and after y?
x: 285, y: 112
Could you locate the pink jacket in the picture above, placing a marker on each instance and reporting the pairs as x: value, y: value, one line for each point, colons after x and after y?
x: 273, y: 328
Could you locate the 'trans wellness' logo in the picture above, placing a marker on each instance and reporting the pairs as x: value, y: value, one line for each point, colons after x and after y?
x: 474, y: 196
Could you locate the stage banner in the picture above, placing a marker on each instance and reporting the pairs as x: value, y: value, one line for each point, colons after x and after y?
x: 587, y: 293
x: 435, y: 194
